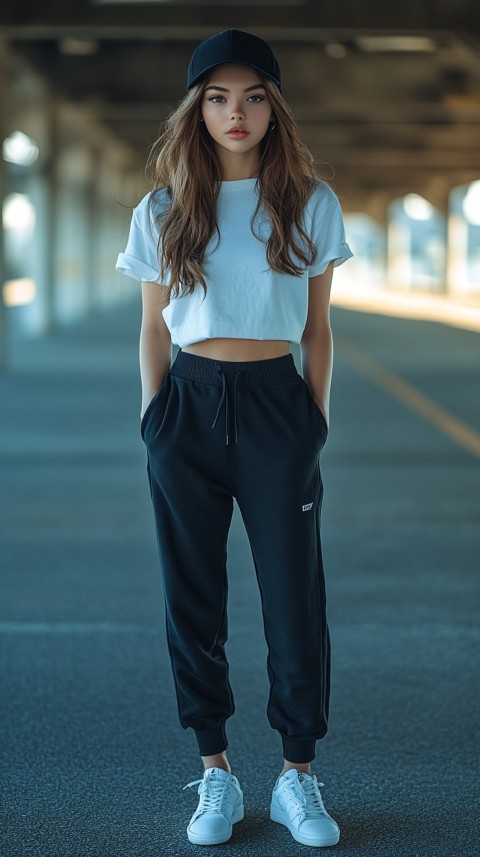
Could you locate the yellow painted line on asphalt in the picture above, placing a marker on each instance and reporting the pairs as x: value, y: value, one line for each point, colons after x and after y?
x: 454, y: 428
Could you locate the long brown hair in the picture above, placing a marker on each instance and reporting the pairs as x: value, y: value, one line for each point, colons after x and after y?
x: 183, y: 161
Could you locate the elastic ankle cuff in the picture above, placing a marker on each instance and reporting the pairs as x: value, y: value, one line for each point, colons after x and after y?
x: 298, y: 749
x: 211, y: 741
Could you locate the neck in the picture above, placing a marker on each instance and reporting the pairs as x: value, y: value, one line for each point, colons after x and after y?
x: 235, y: 167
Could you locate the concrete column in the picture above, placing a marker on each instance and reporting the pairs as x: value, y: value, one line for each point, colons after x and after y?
x: 50, y: 210
x: 92, y: 272
x: 5, y: 114
x: 399, y: 267
x: 457, y: 255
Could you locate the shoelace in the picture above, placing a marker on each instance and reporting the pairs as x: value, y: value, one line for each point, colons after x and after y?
x: 307, y: 798
x: 212, y: 792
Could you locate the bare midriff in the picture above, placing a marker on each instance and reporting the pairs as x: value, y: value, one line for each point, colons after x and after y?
x: 239, y: 349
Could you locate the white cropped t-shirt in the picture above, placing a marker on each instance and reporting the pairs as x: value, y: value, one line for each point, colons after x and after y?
x: 245, y: 299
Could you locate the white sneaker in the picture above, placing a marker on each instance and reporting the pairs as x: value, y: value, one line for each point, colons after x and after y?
x: 297, y: 804
x: 220, y: 807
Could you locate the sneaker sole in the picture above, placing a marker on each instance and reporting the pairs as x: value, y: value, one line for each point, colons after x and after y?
x: 280, y: 817
x: 206, y: 839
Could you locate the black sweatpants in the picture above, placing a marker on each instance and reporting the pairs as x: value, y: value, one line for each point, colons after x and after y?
x: 251, y: 430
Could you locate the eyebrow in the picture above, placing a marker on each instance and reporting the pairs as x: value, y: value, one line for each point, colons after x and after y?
x: 223, y: 88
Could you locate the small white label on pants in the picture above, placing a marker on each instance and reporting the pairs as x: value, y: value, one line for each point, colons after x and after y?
x: 307, y: 507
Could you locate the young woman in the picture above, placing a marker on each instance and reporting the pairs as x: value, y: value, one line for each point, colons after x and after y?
x: 235, y: 248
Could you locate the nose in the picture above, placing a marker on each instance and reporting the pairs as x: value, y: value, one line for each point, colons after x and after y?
x: 236, y: 111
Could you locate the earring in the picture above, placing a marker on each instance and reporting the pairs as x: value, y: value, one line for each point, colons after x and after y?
x: 271, y: 127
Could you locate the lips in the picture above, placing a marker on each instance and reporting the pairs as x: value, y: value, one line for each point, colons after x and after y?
x: 237, y: 130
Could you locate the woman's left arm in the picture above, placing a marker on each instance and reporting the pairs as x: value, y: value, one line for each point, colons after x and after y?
x: 316, y: 345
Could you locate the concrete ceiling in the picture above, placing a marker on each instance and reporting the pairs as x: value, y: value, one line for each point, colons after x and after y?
x: 388, y: 98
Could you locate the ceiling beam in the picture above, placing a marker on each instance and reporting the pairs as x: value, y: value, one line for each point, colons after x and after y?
x: 147, y: 26
x: 68, y: 15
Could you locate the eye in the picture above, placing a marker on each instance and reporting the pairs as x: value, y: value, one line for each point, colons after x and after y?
x: 260, y: 97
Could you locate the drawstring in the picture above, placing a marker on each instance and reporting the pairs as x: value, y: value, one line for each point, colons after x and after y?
x: 225, y: 396
x: 237, y: 376
x: 224, y: 390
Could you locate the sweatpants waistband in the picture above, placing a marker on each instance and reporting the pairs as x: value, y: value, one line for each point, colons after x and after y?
x: 233, y: 373
x: 197, y: 368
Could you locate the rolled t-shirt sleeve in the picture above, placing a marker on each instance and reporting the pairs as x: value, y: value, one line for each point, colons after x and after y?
x: 328, y: 234
x: 139, y: 259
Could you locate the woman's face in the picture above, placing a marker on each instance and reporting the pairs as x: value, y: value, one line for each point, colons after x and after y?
x: 235, y: 95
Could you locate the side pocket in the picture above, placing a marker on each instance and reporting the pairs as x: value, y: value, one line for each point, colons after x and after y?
x: 314, y: 405
x: 151, y: 405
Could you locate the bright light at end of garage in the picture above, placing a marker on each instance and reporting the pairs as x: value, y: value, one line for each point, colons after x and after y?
x: 19, y: 148
x: 416, y: 207
x: 18, y: 214
x: 19, y: 292
x: 471, y: 204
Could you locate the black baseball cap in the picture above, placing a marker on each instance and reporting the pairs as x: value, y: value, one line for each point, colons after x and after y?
x: 234, y: 46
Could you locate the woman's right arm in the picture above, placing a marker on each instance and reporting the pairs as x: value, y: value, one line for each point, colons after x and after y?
x: 155, y: 341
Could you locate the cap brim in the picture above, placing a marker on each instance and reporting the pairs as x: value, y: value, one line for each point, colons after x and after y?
x: 205, y: 72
